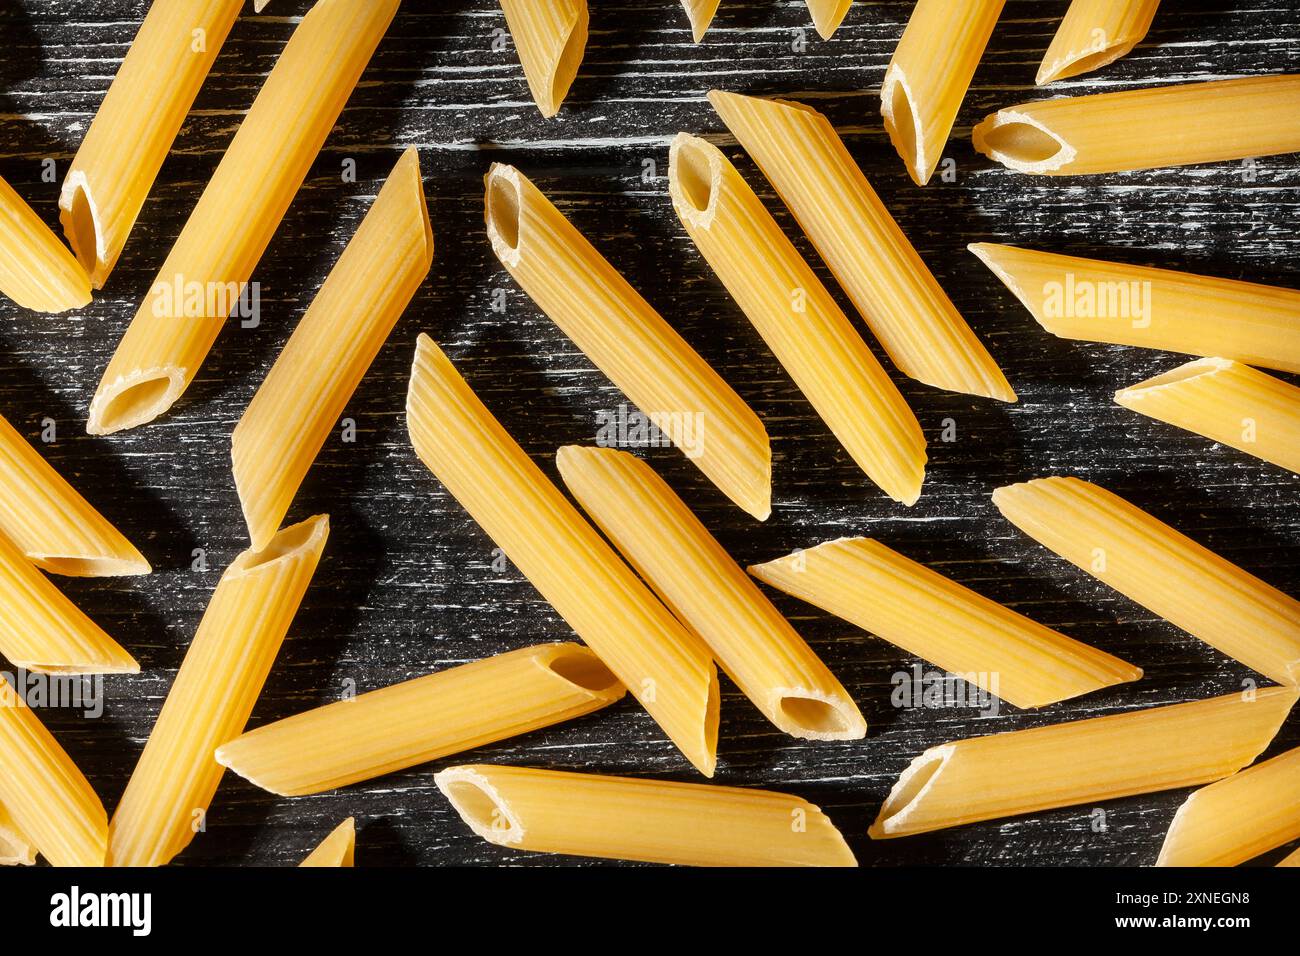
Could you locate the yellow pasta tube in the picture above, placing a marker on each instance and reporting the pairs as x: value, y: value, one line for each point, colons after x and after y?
x: 423, y: 719
x: 1099, y: 301
x: 1226, y: 402
x: 1237, y: 818
x: 54, y: 526
x: 627, y: 340
x: 1291, y: 860
x: 897, y: 295
x: 41, y: 630
x: 290, y: 417
x: 337, y: 849
x: 665, y: 667
x: 36, y: 270
x: 929, y: 75
x: 44, y: 794
x: 1095, y: 33
x: 1146, y: 129
x: 925, y: 614
x: 700, y: 13
x: 1152, y: 564
x: 797, y: 317
x: 654, y: 821
x: 16, y: 849
x: 1062, y: 765
x: 709, y: 593
x: 550, y: 36
x: 166, y: 800
x: 828, y: 15
x: 206, y: 274
x: 132, y: 132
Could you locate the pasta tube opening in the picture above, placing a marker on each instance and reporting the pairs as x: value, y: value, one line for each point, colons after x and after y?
x: 480, y: 805
x: 1021, y: 143
x: 80, y: 219
x: 289, y: 543
x: 909, y: 790
x: 584, y: 670
x: 135, y: 401
x: 503, y: 213
x: 698, y: 174
x: 901, y: 122
x: 1184, y: 373
x: 816, y: 718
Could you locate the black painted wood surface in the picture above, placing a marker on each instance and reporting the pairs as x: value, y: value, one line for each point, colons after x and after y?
x: 407, y: 584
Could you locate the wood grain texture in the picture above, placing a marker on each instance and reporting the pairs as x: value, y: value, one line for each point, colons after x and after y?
x: 407, y: 583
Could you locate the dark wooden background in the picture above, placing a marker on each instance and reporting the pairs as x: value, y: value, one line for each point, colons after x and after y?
x: 406, y: 585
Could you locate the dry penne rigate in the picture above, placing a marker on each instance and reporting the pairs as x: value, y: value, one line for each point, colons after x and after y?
x: 1093, y: 34
x: 656, y: 821
x: 1146, y: 129
x: 206, y: 276
x: 1098, y: 301
x: 649, y: 577
x: 1159, y: 568
x: 419, y: 720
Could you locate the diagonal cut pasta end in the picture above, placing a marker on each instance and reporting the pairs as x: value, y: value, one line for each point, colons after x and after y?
x: 1022, y: 142
x: 502, y: 212
x: 828, y: 15
x: 908, y: 792
x: 904, y: 126
x: 700, y: 13
x: 79, y: 216
x: 694, y: 175
x: 1077, y: 62
x: 135, y: 400
x: 480, y: 805
x: 1135, y: 396
x: 337, y: 849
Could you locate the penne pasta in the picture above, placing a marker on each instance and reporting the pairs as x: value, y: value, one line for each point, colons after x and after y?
x: 290, y: 417
x: 1083, y: 761
x: 654, y: 821
x: 550, y: 36
x: 36, y: 270
x: 664, y: 666
x: 915, y: 321
x: 419, y: 720
x: 1291, y: 860
x: 828, y: 15
x: 337, y: 849
x: 1146, y: 129
x: 627, y: 340
x: 1093, y: 34
x: 1099, y: 301
x: 41, y: 630
x: 1226, y: 402
x: 166, y: 800
x: 929, y: 75
x: 131, y: 134
x: 1237, y: 818
x: 205, y: 277
x: 708, y: 592
x: 1152, y: 564
x: 938, y: 620
x: 51, y: 523
x: 15, y: 847
x: 43, y: 793
x: 797, y: 317
x: 700, y: 13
